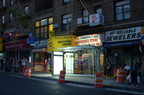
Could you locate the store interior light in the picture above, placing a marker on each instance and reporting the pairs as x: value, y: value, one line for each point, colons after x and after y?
x: 9, y: 34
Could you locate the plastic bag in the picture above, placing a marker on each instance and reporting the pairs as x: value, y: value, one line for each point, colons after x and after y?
x: 138, y: 79
x: 129, y: 78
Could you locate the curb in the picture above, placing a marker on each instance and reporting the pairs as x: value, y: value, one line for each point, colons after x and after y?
x: 89, y: 84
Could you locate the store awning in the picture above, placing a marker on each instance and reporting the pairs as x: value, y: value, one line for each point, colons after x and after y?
x: 77, y: 48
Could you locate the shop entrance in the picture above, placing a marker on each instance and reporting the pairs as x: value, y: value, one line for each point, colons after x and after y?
x: 69, y: 63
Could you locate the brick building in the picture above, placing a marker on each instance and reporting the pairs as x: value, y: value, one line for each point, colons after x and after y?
x: 123, y: 22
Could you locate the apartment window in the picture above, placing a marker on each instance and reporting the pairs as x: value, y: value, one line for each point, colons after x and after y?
x: 37, y: 33
x: 98, y: 9
x: 10, y: 17
x: 11, y: 2
x: 3, y: 2
x: 66, y: 21
x: 26, y: 9
x: 50, y: 27
x: 66, y: 1
x: 3, y: 19
x: 44, y: 22
x: 50, y: 20
x: 37, y: 23
x: 122, y: 10
x: 85, y: 16
x: 41, y: 29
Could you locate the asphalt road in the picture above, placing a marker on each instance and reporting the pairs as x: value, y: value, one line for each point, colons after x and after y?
x: 18, y: 85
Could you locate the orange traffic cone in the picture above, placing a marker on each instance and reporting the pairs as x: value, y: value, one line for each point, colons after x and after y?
x: 27, y: 72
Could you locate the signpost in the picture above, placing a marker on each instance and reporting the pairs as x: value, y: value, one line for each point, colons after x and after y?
x: 31, y: 41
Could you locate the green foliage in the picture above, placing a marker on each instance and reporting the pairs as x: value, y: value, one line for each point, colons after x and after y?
x: 19, y: 16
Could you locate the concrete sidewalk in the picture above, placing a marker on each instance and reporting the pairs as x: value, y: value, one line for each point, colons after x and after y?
x: 86, y: 80
x: 90, y: 80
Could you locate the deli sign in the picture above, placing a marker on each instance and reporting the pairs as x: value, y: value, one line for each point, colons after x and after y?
x: 123, y: 34
x: 93, y: 39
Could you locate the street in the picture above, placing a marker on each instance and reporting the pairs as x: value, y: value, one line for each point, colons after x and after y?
x: 18, y: 85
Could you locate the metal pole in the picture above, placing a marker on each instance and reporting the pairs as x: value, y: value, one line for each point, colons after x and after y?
x: 93, y: 61
x: 98, y: 61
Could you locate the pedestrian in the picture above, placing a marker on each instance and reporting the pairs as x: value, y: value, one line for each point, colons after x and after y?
x: 127, y: 72
x: 142, y: 71
x: 4, y: 63
x: 1, y: 64
x: 20, y: 64
x: 10, y: 61
x: 23, y: 65
x: 127, y: 69
x: 134, y: 73
x: 108, y: 69
x: 48, y: 65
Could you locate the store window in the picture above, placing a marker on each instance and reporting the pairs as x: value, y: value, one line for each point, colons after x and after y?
x: 122, y: 10
x: 66, y: 21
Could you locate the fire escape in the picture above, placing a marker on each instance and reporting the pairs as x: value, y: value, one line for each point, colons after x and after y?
x: 24, y: 15
x: 88, y: 6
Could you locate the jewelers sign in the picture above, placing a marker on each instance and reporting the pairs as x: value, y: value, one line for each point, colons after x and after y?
x: 123, y: 34
x: 93, y: 39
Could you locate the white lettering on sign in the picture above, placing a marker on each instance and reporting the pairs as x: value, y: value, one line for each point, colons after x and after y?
x: 94, y: 40
x: 123, y: 34
x: 39, y: 44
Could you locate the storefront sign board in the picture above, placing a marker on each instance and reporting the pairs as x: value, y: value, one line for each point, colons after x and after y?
x: 123, y: 34
x: 60, y: 41
x: 16, y: 45
x: 93, y: 39
x: 96, y: 19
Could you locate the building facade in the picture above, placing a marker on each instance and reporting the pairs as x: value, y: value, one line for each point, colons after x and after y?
x: 120, y: 21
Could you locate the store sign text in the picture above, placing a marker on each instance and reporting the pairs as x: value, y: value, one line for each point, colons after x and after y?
x: 123, y: 34
x: 94, y: 40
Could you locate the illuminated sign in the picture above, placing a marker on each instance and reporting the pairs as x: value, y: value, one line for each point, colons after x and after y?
x: 93, y: 39
x: 96, y: 19
x: 60, y: 41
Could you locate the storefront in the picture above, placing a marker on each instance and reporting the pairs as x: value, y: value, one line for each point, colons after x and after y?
x: 16, y: 49
x: 39, y: 55
x: 81, y: 59
x: 122, y: 46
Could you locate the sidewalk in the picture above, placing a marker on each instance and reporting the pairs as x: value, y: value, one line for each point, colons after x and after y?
x: 87, y: 80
